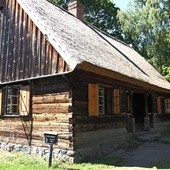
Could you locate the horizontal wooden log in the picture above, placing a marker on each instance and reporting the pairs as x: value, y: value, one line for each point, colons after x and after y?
x: 52, y: 98
x: 32, y: 136
x: 102, y: 137
x: 50, y: 88
x: 80, y: 108
x: 82, y: 119
x: 58, y: 109
x: 51, y: 117
x: 51, y: 105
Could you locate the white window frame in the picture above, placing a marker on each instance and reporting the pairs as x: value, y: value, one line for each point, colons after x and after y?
x: 101, y: 100
x: 11, y: 100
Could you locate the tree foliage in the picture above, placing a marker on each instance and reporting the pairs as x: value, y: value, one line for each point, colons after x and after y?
x: 147, y: 24
x: 100, y: 13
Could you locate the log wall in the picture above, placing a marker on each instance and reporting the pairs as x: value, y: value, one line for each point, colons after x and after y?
x: 95, y: 135
x: 92, y: 132
x: 24, y: 51
x: 51, y: 105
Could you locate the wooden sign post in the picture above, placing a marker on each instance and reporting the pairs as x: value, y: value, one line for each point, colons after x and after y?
x: 51, y: 139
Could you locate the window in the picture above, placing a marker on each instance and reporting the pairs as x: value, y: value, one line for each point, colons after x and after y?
x: 11, y: 100
x: 15, y: 100
x: 167, y: 105
x: 103, y: 100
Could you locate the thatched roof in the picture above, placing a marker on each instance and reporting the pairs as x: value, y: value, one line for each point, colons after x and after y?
x: 78, y: 42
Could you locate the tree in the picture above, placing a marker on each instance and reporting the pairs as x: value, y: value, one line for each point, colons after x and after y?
x: 100, y: 13
x: 147, y: 23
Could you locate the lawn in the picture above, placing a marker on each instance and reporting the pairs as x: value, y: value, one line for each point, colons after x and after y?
x: 19, y: 161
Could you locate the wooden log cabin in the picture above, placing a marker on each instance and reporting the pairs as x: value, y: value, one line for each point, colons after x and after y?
x: 61, y: 74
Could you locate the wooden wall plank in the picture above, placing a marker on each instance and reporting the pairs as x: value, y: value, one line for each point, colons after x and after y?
x: 25, y: 51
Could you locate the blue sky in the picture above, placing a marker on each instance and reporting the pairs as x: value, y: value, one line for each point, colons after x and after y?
x: 122, y: 4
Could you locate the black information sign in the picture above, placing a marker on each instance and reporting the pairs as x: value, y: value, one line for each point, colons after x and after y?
x: 51, y: 138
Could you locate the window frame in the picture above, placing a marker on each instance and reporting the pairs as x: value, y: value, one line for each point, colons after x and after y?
x: 101, y: 97
x: 7, y: 98
x: 8, y: 101
x: 109, y: 98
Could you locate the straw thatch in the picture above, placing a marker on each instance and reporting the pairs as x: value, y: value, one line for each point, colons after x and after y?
x: 78, y: 42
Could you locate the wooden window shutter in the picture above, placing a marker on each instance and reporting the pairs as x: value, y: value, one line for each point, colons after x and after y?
x: 0, y: 101
x: 24, y: 100
x: 116, y: 101
x: 93, y: 100
x: 159, y: 108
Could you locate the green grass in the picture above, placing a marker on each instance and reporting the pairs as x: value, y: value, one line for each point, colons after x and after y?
x: 20, y: 161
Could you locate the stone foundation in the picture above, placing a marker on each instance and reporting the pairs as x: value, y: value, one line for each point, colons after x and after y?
x: 58, y: 154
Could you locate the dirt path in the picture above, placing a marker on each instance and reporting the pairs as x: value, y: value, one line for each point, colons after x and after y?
x: 151, y: 150
x: 147, y: 155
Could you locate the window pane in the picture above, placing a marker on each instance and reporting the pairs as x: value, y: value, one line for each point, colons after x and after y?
x: 101, y: 100
x: 101, y: 109
x: 101, y: 91
x: 11, y: 100
x: 14, y: 100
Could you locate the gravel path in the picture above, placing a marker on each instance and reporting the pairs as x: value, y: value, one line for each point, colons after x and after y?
x: 151, y: 149
x: 147, y: 155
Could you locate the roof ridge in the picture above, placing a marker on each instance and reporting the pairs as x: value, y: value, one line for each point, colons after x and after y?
x: 108, y: 35
x: 118, y: 50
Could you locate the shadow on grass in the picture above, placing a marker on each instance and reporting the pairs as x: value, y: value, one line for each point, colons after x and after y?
x: 113, y: 161
x: 103, y: 162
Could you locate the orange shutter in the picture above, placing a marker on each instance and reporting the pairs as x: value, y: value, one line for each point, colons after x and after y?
x: 93, y: 100
x: 116, y: 101
x: 24, y: 100
x: 159, y: 108
x: 0, y: 101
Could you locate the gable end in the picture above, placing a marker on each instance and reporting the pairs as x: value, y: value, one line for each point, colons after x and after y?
x: 25, y: 52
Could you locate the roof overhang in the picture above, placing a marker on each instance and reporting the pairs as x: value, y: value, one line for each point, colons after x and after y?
x: 125, y: 79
